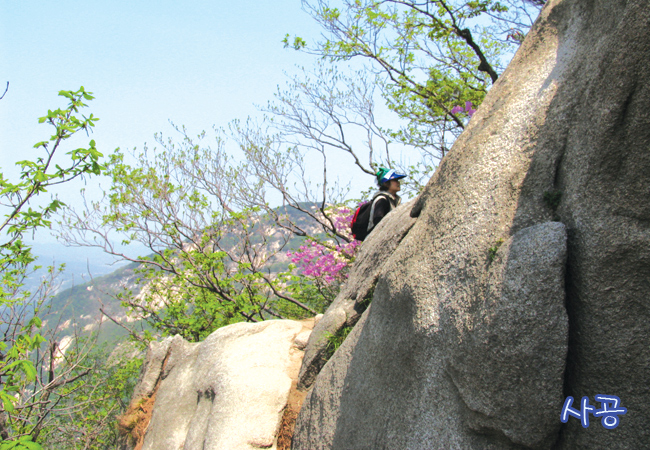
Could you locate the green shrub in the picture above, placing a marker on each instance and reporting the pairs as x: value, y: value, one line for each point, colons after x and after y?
x: 334, y: 340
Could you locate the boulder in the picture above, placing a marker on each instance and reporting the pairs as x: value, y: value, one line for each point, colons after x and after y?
x: 228, y: 392
x: 486, y: 317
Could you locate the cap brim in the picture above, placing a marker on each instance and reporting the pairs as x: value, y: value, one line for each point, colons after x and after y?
x: 393, y: 176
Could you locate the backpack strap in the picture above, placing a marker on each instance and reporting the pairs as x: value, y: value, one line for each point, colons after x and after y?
x: 371, y: 222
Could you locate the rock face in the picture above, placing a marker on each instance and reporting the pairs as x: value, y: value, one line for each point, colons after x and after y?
x: 525, y: 278
x: 227, y: 392
x: 478, y: 371
x: 353, y: 299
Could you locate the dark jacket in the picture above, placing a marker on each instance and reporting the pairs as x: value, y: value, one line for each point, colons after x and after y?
x: 382, y: 203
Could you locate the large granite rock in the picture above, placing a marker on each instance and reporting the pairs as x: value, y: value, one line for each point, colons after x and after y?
x: 465, y: 343
x: 353, y: 299
x: 226, y: 393
x: 469, y: 379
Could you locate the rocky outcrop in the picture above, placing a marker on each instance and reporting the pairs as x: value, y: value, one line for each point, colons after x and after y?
x: 525, y: 277
x: 356, y: 293
x: 228, y: 392
x: 482, y: 366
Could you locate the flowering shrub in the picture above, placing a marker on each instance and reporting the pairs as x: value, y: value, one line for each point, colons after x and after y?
x: 469, y: 109
x: 323, y: 262
x: 327, y: 261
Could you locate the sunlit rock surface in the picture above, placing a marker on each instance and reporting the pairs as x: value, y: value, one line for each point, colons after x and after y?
x: 226, y: 393
x: 498, y: 304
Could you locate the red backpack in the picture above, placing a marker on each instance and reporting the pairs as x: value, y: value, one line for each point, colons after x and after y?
x: 361, y: 219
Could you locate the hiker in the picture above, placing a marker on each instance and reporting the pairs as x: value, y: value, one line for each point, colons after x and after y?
x: 370, y: 214
x: 386, y: 199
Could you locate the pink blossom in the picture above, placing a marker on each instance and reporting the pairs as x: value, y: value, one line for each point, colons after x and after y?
x: 469, y: 109
x: 328, y: 262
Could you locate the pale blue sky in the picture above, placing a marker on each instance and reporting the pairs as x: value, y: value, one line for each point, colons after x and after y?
x: 198, y: 63
x: 147, y: 62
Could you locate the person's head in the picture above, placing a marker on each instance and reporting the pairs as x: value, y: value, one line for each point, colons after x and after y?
x: 388, y: 180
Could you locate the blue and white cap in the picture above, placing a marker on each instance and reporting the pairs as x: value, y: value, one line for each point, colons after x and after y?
x: 384, y: 175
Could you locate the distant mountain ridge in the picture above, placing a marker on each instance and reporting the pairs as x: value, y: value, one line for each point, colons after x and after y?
x: 80, y: 304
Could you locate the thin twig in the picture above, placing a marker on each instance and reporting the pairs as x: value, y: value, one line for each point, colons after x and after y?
x: 6, y: 89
